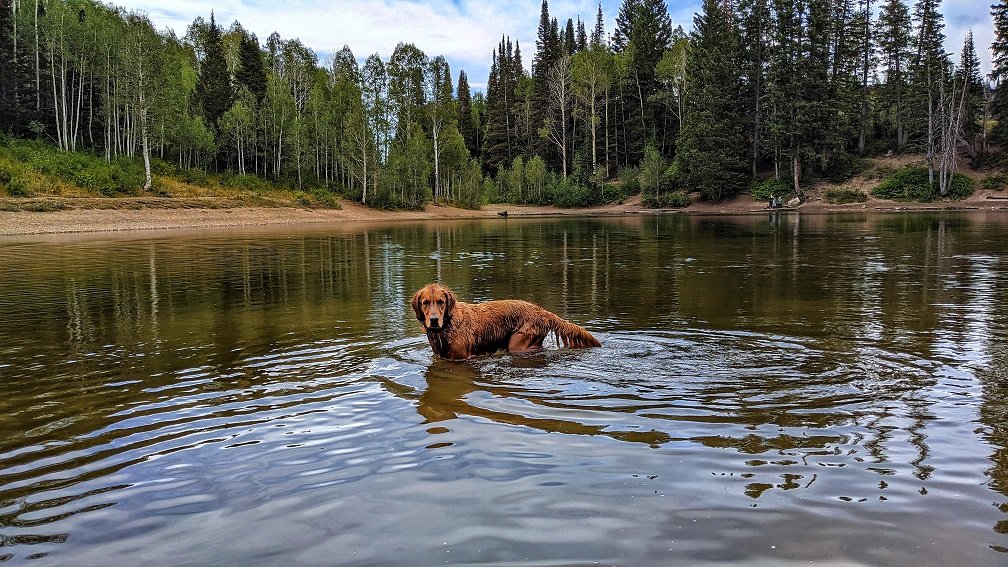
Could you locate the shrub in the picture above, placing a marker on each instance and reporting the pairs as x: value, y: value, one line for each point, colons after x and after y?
x: 244, y: 182
x: 843, y: 196
x: 762, y: 190
x: 670, y: 200
x: 628, y: 179
x: 570, y: 195
x: 196, y: 177
x: 962, y: 187
x: 325, y: 199
x: 996, y: 182
x: 911, y: 184
x: 17, y: 187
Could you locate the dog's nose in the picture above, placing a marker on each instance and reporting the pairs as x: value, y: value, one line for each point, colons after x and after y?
x: 433, y: 321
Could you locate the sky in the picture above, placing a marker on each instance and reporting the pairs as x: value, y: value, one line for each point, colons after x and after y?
x: 464, y: 31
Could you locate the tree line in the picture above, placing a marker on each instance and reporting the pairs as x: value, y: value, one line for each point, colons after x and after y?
x: 789, y: 89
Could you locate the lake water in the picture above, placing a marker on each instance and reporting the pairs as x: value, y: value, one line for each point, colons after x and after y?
x: 772, y: 390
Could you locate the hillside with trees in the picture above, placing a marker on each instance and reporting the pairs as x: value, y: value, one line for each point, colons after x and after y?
x: 771, y: 93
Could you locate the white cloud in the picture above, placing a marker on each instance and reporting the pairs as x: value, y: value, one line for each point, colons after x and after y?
x: 464, y: 31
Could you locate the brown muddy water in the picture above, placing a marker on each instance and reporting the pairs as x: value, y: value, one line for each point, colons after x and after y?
x: 773, y: 390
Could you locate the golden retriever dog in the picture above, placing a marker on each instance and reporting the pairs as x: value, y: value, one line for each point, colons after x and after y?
x: 457, y: 330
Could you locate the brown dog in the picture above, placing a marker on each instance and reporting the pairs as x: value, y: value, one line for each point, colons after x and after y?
x: 458, y: 330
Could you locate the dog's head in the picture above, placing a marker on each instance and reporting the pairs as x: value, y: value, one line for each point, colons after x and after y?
x: 433, y: 306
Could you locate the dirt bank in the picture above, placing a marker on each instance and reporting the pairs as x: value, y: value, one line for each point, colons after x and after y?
x: 63, y: 215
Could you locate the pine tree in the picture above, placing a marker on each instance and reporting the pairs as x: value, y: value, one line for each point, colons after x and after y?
x: 545, y: 56
x: 643, y: 33
x: 213, y: 85
x: 495, y: 152
x: 999, y: 49
x: 813, y: 117
x: 8, y: 69
x: 598, y: 35
x: 466, y: 125
x: 569, y: 38
x: 711, y: 146
x: 755, y: 26
x: 894, y: 37
x: 968, y: 77
x: 251, y: 71
x: 582, y: 36
x: 930, y: 70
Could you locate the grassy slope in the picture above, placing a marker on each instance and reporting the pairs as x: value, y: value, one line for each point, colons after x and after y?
x: 37, y: 176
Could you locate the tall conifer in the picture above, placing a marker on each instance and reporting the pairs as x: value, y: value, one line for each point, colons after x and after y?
x: 213, y: 85
x: 8, y: 69
x: 711, y: 145
x: 466, y: 126
x: 894, y: 40
x: 999, y: 49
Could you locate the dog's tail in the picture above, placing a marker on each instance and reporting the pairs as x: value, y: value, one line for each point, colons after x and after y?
x: 572, y: 335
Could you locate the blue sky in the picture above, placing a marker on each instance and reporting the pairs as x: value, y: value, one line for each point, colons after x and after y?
x: 464, y: 31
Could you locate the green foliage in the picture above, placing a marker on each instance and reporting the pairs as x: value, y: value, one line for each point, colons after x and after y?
x: 12, y: 182
x: 711, y: 145
x: 670, y: 200
x: 911, y: 184
x: 628, y: 180
x: 762, y: 190
x: 90, y: 172
x: 962, y: 187
x: 570, y: 195
x: 842, y: 195
x: 907, y: 184
x: 995, y: 182
x: 843, y: 167
x: 652, y: 172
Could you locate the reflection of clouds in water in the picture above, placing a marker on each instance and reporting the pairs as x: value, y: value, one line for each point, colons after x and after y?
x: 807, y: 415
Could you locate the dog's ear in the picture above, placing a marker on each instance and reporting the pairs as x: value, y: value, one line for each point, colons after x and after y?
x: 415, y: 303
x: 449, y: 303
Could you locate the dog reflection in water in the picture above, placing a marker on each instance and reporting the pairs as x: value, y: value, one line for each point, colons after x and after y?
x: 457, y: 330
x: 449, y: 396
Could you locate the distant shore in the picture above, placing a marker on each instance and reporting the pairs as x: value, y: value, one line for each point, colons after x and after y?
x: 72, y: 215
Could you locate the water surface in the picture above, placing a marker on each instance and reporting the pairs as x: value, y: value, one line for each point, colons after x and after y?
x: 770, y: 390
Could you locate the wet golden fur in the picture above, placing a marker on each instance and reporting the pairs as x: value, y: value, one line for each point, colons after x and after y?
x: 458, y: 330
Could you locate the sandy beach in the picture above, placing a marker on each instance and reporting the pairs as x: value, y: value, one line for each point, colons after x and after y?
x: 130, y: 214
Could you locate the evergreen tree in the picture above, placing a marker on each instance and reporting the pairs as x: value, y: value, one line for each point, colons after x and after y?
x: 968, y: 78
x: 816, y: 127
x: 569, y: 38
x: 930, y: 70
x: 711, y: 146
x: 894, y: 41
x: 545, y: 57
x: 213, y: 85
x: 251, y: 71
x: 755, y: 26
x: 467, y: 128
x: 496, y: 151
x: 582, y: 36
x: 999, y: 49
x: 8, y: 69
x: 598, y: 36
x: 643, y: 33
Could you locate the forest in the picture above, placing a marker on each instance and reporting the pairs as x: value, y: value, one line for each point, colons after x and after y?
x: 758, y: 92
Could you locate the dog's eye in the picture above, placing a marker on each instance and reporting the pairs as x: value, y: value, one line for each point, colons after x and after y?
x: 440, y: 302
x: 426, y: 302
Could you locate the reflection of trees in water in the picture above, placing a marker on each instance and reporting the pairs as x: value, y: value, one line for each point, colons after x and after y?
x: 388, y: 297
x: 993, y: 411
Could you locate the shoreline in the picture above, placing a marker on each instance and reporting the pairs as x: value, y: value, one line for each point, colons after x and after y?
x: 144, y: 214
